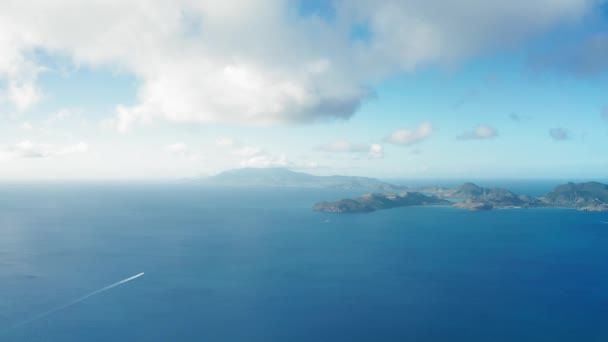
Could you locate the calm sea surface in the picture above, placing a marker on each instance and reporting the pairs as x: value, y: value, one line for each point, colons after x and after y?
x: 259, y: 265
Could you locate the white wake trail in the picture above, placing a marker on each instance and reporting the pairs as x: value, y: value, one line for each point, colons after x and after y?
x: 73, y: 302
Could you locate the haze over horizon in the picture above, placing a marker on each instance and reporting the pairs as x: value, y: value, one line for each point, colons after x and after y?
x: 386, y: 89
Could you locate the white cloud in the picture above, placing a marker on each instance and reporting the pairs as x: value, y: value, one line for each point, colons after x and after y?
x: 479, y: 132
x: 226, y: 142
x: 408, y: 137
x: 62, y: 114
x: 255, y: 62
x: 265, y: 161
x: 374, y: 151
x: 238, y: 148
x: 253, y: 156
x: 248, y: 151
x: 23, y: 95
x: 78, y: 148
x: 183, y: 150
x: 18, y: 70
x: 28, y: 149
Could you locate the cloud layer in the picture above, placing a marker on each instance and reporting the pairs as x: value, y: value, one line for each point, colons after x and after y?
x: 256, y: 62
x: 28, y: 149
x: 257, y: 157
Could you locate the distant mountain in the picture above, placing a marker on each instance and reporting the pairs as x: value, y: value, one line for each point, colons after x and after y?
x: 591, y: 196
x: 469, y: 190
x: 281, y: 177
x: 492, y: 197
x: 372, y: 202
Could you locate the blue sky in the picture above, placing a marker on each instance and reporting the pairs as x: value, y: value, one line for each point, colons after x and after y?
x: 396, y: 89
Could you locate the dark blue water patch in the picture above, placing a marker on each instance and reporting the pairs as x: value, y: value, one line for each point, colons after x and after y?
x: 259, y: 265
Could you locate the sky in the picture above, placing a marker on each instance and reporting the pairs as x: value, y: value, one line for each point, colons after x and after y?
x: 139, y: 90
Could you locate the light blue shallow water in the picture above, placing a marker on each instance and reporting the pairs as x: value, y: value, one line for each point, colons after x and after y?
x: 259, y: 265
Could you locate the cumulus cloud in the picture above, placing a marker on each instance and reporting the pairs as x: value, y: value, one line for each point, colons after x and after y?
x: 19, y: 72
x: 479, y: 132
x: 559, y: 134
x: 28, y: 149
x: 374, y: 151
x: 255, y: 62
x: 409, y: 137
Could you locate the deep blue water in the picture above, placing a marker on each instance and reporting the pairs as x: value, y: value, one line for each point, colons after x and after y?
x: 259, y: 265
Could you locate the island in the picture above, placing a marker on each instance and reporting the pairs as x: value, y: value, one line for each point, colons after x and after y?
x: 589, y: 196
x: 282, y: 177
x: 372, y: 202
x: 499, y: 198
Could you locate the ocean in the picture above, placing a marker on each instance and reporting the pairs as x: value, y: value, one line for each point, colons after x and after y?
x: 225, y: 264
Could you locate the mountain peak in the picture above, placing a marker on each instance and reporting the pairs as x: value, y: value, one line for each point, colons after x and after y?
x: 578, y: 194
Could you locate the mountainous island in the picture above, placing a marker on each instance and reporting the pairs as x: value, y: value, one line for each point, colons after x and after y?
x: 281, y: 177
x: 590, y: 196
x: 372, y: 202
x: 475, y: 197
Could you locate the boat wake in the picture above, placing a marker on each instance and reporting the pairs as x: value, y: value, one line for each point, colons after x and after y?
x: 71, y: 303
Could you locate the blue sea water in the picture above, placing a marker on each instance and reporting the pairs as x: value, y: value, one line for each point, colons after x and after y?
x: 259, y: 265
